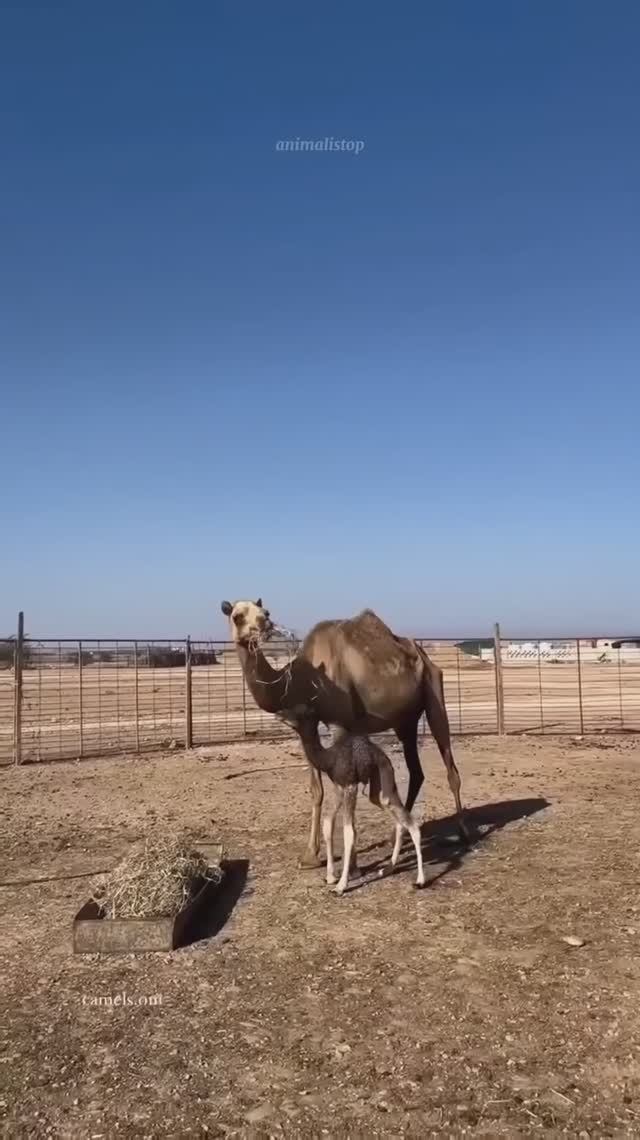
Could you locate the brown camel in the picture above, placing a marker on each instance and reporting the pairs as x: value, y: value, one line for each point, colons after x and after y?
x: 356, y: 676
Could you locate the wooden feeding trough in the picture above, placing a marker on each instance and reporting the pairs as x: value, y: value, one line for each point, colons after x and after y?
x: 96, y: 933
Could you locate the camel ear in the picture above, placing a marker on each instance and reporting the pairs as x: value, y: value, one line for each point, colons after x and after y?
x: 259, y: 602
x: 226, y: 608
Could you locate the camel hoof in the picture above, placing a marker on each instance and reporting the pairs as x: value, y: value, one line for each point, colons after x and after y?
x: 463, y: 830
x: 331, y: 880
x: 457, y: 840
x: 309, y: 860
x: 338, y: 891
x: 419, y: 886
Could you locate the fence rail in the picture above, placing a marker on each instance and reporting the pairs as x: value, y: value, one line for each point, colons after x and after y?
x: 67, y: 699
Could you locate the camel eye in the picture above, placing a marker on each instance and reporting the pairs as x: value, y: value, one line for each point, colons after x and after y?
x: 238, y: 618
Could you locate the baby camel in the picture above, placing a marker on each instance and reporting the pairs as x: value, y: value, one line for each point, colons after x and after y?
x: 351, y: 761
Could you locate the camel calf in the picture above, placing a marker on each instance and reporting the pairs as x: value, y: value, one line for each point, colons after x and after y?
x: 351, y: 761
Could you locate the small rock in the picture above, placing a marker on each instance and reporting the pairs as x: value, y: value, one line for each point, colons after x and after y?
x: 571, y: 940
x: 259, y: 1113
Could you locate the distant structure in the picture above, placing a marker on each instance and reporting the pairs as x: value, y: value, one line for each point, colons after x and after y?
x: 593, y: 651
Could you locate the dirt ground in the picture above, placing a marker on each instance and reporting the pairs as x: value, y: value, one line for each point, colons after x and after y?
x: 389, y: 1012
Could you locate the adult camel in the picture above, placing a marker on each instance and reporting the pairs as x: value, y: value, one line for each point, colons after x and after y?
x: 355, y: 675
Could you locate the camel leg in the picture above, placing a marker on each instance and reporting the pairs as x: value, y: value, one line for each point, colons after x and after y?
x: 327, y: 829
x: 349, y: 798
x: 311, y: 857
x: 436, y: 713
x: 408, y: 738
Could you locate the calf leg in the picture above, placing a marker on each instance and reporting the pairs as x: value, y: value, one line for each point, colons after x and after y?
x: 349, y: 798
x: 337, y: 732
x: 404, y: 819
x: 395, y: 854
x: 390, y: 799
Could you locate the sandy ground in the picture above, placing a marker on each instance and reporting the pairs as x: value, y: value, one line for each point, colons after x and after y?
x: 390, y: 1012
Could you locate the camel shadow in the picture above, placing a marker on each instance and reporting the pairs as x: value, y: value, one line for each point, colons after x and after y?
x: 443, y: 852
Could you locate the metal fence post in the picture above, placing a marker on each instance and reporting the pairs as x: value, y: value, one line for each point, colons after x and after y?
x: 497, y: 657
x: 540, y: 689
x: 620, y: 688
x: 136, y: 694
x: 188, y: 706
x: 17, y: 691
x: 580, y: 687
x: 80, y: 699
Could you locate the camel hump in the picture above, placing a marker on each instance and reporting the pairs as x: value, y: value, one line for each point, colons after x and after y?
x: 362, y: 654
x: 369, y: 615
x: 367, y: 624
x: 369, y: 634
x: 364, y: 625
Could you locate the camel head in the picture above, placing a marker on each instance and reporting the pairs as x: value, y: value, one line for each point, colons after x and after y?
x: 250, y: 622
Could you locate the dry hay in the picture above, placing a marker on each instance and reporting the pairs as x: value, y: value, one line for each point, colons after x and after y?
x: 157, y: 879
x: 286, y: 671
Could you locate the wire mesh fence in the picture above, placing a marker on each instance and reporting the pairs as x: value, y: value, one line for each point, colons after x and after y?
x: 223, y: 708
x: 579, y: 686
x: 67, y: 699
x: 7, y: 699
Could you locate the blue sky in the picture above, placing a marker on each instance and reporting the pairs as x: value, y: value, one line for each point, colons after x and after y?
x: 405, y: 379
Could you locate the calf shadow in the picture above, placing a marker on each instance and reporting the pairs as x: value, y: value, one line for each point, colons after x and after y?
x: 439, y: 847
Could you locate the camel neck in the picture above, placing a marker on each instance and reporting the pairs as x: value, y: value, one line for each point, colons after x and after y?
x: 313, y: 750
x: 266, y: 684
